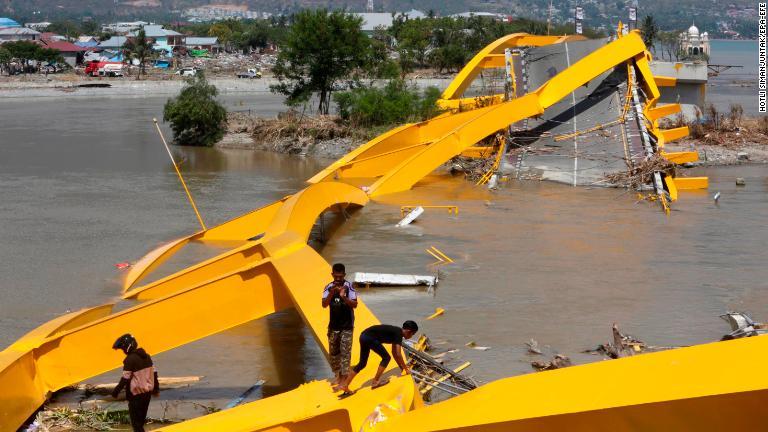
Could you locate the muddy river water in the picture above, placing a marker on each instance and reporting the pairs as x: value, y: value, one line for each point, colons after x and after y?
x: 85, y: 184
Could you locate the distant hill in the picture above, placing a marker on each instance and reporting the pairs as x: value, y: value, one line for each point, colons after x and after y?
x: 715, y: 17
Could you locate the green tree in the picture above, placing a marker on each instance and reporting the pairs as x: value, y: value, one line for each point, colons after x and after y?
x: 222, y: 31
x: 196, y: 118
x: 650, y: 33
x: 24, y: 51
x: 395, y: 103
x: 139, y: 48
x: 5, y: 60
x: 320, y: 49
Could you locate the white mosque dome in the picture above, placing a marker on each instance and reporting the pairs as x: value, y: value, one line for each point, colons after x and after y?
x: 693, y: 31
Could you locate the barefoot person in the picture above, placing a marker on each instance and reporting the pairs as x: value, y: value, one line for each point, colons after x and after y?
x: 341, y: 299
x: 139, y: 379
x: 373, y: 339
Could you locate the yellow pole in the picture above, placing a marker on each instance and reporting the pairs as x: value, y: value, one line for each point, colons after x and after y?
x: 189, y: 195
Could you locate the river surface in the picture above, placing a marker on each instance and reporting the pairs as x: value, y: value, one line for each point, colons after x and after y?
x: 86, y: 184
x: 738, y: 84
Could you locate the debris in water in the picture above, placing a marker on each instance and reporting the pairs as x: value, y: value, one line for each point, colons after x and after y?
x: 438, y: 312
x: 742, y: 326
x: 740, y: 181
x: 410, y: 217
x: 122, y: 265
x: 717, y: 197
x: 558, y: 362
x: 533, y: 346
x: 624, y: 346
x: 473, y: 345
x: 385, y: 279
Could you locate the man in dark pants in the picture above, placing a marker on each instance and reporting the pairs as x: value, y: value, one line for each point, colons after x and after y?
x: 373, y: 339
x: 341, y: 299
x: 139, y: 379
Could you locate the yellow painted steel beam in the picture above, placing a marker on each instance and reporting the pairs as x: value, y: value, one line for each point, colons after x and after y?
x: 681, y: 157
x: 85, y: 351
x: 671, y: 187
x: 686, y: 389
x: 299, y: 211
x: 311, y: 407
x: 241, y: 228
x: 468, y: 73
x: 490, y: 119
x: 668, y: 135
x: 250, y: 253
x: 665, y: 81
x: 691, y: 183
x: 24, y: 390
x: 656, y: 113
x: 469, y: 103
x: 478, y: 152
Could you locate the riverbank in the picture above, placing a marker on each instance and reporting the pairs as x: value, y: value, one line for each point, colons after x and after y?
x: 329, y: 137
x: 40, y: 86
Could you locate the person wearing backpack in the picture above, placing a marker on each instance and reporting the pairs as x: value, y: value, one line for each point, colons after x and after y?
x: 139, y: 380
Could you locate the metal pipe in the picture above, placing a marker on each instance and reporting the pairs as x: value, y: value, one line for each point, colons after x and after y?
x: 189, y: 195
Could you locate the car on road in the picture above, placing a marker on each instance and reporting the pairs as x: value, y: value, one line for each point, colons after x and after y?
x: 250, y: 74
x: 187, y: 71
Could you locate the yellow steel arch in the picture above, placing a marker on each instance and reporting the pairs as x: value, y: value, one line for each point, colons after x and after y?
x: 490, y: 119
x: 489, y: 57
x: 242, y: 227
x: 297, y: 213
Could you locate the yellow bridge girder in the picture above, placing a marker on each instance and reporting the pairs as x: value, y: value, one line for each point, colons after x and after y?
x: 470, y: 71
x: 279, y: 270
x: 698, y: 388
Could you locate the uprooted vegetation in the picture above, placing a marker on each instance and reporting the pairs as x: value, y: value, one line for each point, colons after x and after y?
x: 729, y: 129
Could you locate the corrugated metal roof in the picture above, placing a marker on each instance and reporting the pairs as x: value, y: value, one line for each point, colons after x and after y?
x: 62, y: 46
x: 114, y: 42
x: 18, y: 31
x: 201, y: 40
x: 156, y: 31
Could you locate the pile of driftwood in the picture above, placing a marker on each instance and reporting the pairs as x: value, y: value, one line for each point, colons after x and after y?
x: 642, y: 173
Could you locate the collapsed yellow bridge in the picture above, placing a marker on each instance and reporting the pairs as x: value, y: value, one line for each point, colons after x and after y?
x: 696, y: 388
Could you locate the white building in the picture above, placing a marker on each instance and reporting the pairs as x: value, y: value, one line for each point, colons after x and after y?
x: 693, y: 43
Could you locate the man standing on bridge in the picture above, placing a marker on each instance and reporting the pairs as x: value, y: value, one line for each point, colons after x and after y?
x: 341, y: 299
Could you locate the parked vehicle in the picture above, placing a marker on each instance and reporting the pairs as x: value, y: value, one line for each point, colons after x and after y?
x: 187, y: 71
x: 102, y: 68
x: 250, y: 73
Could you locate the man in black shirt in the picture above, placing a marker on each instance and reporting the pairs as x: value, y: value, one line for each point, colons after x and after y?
x: 372, y: 339
x: 341, y: 299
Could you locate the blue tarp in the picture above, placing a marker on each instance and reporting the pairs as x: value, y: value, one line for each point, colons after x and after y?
x: 7, y: 22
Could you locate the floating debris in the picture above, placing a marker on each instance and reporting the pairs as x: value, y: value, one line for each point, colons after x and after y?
x: 558, y: 362
x: 410, y: 217
x: 386, y: 279
x: 742, y: 326
x: 438, y: 312
x: 475, y: 346
x: 533, y: 347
